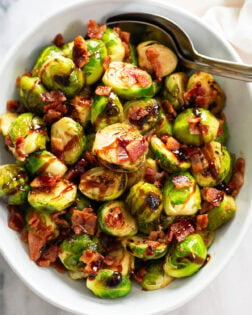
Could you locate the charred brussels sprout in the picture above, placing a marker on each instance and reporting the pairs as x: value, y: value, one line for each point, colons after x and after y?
x: 102, y: 184
x: 44, y: 55
x: 128, y: 81
x: 115, y: 220
x: 67, y: 136
x: 214, y: 166
x: 94, y: 68
x: 196, y: 127
x: 120, y: 147
x: 168, y: 160
x: 106, y: 110
x: 186, y: 258
x: 181, y: 195
x: 203, y: 91
x: 14, y: 184
x: 6, y: 120
x: 43, y: 163
x: 30, y: 92
x: 60, y: 73
x: 220, y: 215
x: 145, y: 202
x: 115, y: 47
x: 125, y: 261
x: 155, y: 277
x: 51, y: 199
x: 143, y: 248
x: 165, y: 57
x: 28, y: 134
x: 109, y: 284
x: 175, y: 85
x: 142, y: 113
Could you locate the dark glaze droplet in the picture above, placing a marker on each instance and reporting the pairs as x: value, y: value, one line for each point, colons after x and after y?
x: 62, y: 79
x: 153, y: 201
x: 115, y: 280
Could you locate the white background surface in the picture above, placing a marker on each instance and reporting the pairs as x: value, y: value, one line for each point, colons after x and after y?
x: 229, y: 294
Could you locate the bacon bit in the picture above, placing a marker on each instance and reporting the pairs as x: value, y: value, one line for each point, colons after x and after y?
x: 24, y: 236
x: 237, y: 179
x: 114, y: 218
x: 81, y: 101
x: 171, y: 143
x: 49, y: 255
x: 95, y: 31
x: 74, y: 173
x: 137, y: 116
x: 84, y: 221
x: 136, y: 148
x: 110, y: 260
x: 20, y: 148
x: 51, y: 116
x: 195, y: 127
x: 212, y: 195
x: 59, y: 221
x: 197, y: 165
x: 169, y: 109
x: 93, y: 261
x: 8, y: 141
x: 103, y: 90
x: 59, y: 40
x: 157, y: 236
x: 153, y: 177
x: 205, y: 207
x: 181, y: 181
x: 180, y: 230
x: 45, y: 181
x: 139, y: 274
x: 220, y: 130
x: 53, y: 96
x: 122, y: 154
x: 16, y: 220
x: 125, y: 38
x: 141, y: 79
x: 153, y: 57
x: 80, y: 52
x: 201, y: 222
x: 12, y: 105
x: 55, y: 109
x: 106, y: 62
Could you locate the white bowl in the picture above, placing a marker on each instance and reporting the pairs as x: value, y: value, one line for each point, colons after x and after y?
x: 71, y: 295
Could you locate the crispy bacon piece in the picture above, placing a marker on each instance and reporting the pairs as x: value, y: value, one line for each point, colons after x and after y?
x: 12, y: 105
x: 169, y: 110
x: 195, y: 158
x: 114, y: 218
x: 49, y: 255
x: 106, y: 62
x: 103, y: 90
x: 141, y: 79
x: 125, y: 38
x: 181, y: 181
x: 171, y: 143
x: 45, y: 181
x: 7, y: 141
x: 157, y: 236
x: 53, y: 96
x: 80, y: 52
x: 59, y: 40
x: 198, y: 96
x: 237, y: 179
x: 195, y: 126
x: 138, y: 116
x: 74, y: 173
x: 212, y: 195
x: 93, y: 261
x: 205, y: 207
x: 153, y: 177
x: 95, y: 31
x: 16, y: 220
x: 201, y: 222
x: 55, y: 109
x: 136, y: 148
x: 56, y: 217
x: 20, y: 148
x: 84, y: 221
x: 139, y: 274
x: 153, y: 57
x: 180, y: 230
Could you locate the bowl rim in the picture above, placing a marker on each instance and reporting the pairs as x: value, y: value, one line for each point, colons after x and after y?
x: 234, y: 57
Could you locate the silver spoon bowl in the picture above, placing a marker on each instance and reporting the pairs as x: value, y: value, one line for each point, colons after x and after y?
x: 147, y: 26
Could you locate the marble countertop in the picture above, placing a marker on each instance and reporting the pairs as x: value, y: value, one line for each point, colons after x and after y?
x: 229, y: 293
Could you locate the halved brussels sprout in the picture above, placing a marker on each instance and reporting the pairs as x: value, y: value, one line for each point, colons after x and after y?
x: 175, y: 85
x: 163, y: 126
x: 142, y: 113
x: 186, y: 257
x: 207, y: 236
x: 94, y: 68
x: 81, y: 109
x: 142, y: 247
x: 196, y: 126
x: 214, y: 166
x: 67, y: 136
x: 145, y: 202
x: 28, y: 134
x: 168, y: 160
x: 181, y: 195
x: 220, y: 215
x: 162, y: 222
x: 44, y: 55
x: 30, y: 92
x: 60, y: 73
x: 6, y: 120
x: 101, y: 184
x: 124, y: 261
x: 203, y: 91
x: 128, y: 81
x: 55, y: 198
x: 72, y: 249
x: 155, y: 277
x: 109, y: 284
x: 67, y: 50
x: 14, y: 184
x: 151, y: 53
x: 115, y: 47
x: 114, y: 219
x: 106, y: 110
x: 120, y: 147
x: 43, y: 163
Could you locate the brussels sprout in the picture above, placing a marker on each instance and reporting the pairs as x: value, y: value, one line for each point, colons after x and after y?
x: 164, y: 56
x: 60, y: 73
x: 161, y: 223
x: 168, y: 160
x: 6, y: 120
x: 44, y: 55
x: 155, y: 277
x: 220, y: 215
x: 67, y: 50
x: 106, y: 110
x: 181, y: 195
x: 30, y: 92
x: 82, y: 202
x: 145, y: 202
x: 142, y: 247
x: 210, y: 94
x: 81, y: 109
x: 207, y: 236
x: 28, y: 134
x: 94, y: 68
x: 175, y: 85
x: 215, y: 165
x: 142, y: 113
x: 186, y: 258
x: 196, y: 127
x: 223, y: 137
x: 163, y: 126
x: 135, y: 177
x: 125, y: 261
x: 68, y: 137
x: 120, y: 147
x: 114, y: 219
x: 14, y: 184
x: 102, y: 184
x: 43, y: 163
x: 115, y: 47
x: 132, y: 57
x: 128, y: 81
x: 72, y: 249
x: 109, y: 284
x: 55, y: 198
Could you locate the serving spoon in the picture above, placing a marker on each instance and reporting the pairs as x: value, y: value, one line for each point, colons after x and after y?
x: 155, y: 27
